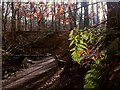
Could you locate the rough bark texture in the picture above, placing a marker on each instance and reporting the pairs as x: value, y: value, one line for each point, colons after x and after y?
x: 113, y: 14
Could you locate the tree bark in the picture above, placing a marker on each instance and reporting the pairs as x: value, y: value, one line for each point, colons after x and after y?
x: 71, y: 17
x: 5, y: 17
x: 86, y: 19
x: 80, y: 20
x: 113, y: 14
x: 18, y: 19
x: 98, y: 20
x: 25, y: 23
x: 31, y: 24
x: 93, y: 14
x: 13, y: 27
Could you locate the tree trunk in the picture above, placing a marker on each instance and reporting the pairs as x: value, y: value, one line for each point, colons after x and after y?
x: 25, y: 23
x: 113, y: 15
x: 52, y: 22
x: 5, y: 18
x: 75, y: 12
x: 93, y: 18
x: 103, y: 11
x: 86, y: 19
x: 71, y: 17
x: 55, y: 25
x: 31, y: 24
x: 13, y: 27
x: 18, y: 18
x: 98, y: 20
x: 64, y: 19
x: 59, y: 23
x: 80, y: 20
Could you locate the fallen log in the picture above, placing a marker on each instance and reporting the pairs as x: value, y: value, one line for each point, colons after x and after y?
x: 32, y: 76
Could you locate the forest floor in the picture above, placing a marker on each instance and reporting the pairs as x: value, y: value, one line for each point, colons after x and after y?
x: 68, y: 75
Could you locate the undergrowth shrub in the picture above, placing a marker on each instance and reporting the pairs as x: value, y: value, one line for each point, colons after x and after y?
x: 86, y: 45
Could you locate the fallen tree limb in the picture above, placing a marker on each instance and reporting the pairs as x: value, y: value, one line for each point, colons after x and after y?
x: 24, y: 78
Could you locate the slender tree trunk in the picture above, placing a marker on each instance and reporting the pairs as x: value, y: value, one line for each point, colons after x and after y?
x: 19, y: 18
x: 55, y: 24
x: 112, y: 15
x: 86, y: 19
x: 75, y: 13
x: 98, y: 20
x: 71, y: 17
x: 3, y: 10
x: 64, y: 18
x: 80, y: 20
x: 52, y: 22
x: 93, y: 13
x: 103, y: 10
x: 38, y: 25
x: 31, y: 25
x: 59, y: 23
x: 5, y: 18
x: 13, y: 27
x: 25, y: 23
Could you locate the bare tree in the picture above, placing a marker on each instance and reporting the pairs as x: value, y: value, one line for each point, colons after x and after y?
x: 4, y: 16
x: 86, y: 19
x: 93, y: 18
x: 70, y: 17
x: 13, y: 19
x: 98, y: 20
x: 25, y: 23
x: 19, y: 18
x: 80, y: 20
x: 64, y: 17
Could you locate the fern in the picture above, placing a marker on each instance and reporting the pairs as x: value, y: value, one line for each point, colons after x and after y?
x: 83, y: 41
x: 92, y: 77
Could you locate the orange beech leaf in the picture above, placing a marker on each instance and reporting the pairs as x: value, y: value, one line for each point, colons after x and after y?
x: 61, y: 9
x: 47, y: 15
x: 88, y: 51
x: 57, y: 15
x: 69, y: 3
x: 81, y: 52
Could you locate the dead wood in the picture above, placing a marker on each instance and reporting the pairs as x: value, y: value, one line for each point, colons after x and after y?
x: 36, y: 72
